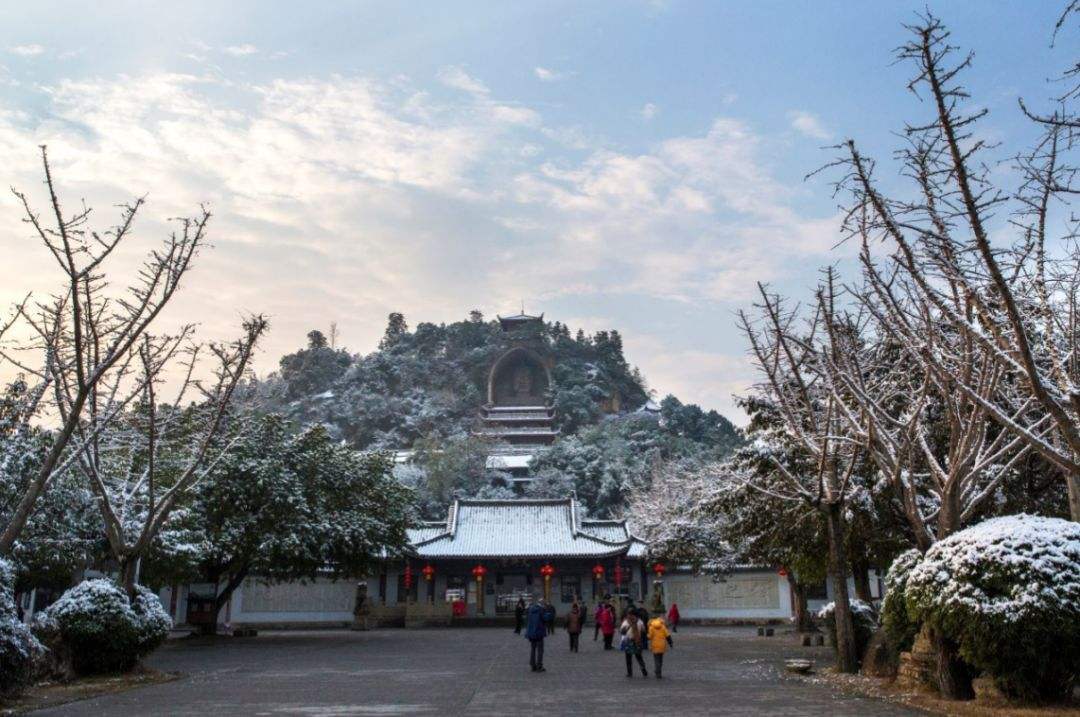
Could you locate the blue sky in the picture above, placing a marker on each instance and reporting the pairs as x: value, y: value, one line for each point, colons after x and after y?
x: 630, y: 165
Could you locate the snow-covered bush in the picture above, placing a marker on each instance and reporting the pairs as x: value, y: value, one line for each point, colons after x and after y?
x: 17, y: 645
x: 1007, y: 592
x: 899, y: 627
x: 863, y: 618
x: 104, y: 631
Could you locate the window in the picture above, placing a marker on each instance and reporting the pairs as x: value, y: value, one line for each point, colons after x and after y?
x: 571, y: 588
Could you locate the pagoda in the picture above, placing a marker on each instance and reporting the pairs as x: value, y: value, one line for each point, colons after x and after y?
x: 517, y: 413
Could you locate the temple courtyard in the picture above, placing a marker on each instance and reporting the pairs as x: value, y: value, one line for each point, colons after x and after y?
x: 477, y: 671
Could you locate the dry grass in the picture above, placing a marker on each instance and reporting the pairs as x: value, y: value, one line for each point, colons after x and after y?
x: 52, y: 694
x: 885, y: 689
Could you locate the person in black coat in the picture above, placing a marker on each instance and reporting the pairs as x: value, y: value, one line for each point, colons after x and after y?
x: 549, y: 617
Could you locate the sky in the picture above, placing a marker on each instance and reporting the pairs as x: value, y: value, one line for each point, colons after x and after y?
x: 636, y: 165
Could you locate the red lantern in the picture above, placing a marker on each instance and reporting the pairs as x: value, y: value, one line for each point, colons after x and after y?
x: 618, y: 572
x: 429, y: 572
x: 598, y: 571
x: 782, y: 572
x: 479, y: 572
x: 547, y: 570
x: 408, y: 576
x: 659, y: 569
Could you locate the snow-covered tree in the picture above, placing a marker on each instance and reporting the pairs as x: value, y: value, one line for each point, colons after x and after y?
x: 83, y: 337
x: 787, y: 349
x: 281, y: 506
x: 143, y: 460
x: 1009, y: 312
x: 676, y: 516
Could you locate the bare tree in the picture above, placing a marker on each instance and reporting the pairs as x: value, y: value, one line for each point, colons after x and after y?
x: 787, y: 353
x: 896, y: 385
x: 141, y: 461
x: 1013, y: 314
x: 84, y: 336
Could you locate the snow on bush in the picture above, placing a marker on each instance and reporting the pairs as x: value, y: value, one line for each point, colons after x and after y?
x: 899, y: 628
x: 104, y: 631
x: 863, y: 618
x: 17, y: 646
x: 1007, y: 592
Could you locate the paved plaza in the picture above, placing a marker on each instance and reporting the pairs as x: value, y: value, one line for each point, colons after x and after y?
x: 476, y: 671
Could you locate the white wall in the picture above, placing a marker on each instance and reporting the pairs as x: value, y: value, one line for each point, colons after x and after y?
x: 743, y: 595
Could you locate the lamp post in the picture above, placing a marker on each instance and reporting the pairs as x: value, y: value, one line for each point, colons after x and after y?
x: 429, y: 575
x: 547, y: 571
x: 598, y: 576
x: 479, y: 572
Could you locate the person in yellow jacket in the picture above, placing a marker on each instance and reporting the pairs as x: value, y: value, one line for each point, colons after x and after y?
x: 659, y: 641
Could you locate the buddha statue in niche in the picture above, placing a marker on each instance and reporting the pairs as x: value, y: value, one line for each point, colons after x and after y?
x: 522, y: 382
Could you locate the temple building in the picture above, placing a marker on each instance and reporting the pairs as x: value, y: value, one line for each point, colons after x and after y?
x: 473, y: 566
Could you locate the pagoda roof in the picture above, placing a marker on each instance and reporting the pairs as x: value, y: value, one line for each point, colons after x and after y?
x: 523, y: 528
x: 515, y: 320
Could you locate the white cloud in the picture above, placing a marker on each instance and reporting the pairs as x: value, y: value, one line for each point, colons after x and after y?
x: 26, y: 50
x: 344, y: 198
x: 545, y: 75
x: 241, y: 50
x: 456, y: 77
x: 649, y: 111
x: 808, y: 124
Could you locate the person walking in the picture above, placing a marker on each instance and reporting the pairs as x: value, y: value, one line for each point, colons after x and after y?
x: 673, y: 617
x: 633, y: 635
x: 535, y: 632
x: 596, y: 620
x: 549, y: 617
x: 573, y: 626
x: 519, y: 615
x: 659, y: 641
x: 606, y: 620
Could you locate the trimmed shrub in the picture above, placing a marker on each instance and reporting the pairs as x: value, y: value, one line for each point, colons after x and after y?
x: 17, y: 645
x: 900, y: 629
x: 101, y: 629
x: 1007, y: 592
x: 863, y: 619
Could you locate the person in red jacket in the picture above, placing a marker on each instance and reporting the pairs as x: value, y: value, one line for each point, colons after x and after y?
x: 606, y: 620
x: 673, y: 617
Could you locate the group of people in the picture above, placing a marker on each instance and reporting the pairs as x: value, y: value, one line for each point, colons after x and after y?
x: 638, y: 632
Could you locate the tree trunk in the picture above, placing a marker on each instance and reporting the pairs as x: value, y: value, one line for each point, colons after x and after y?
x: 1073, y: 483
x: 952, y: 675
x: 798, y: 602
x: 222, y: 597
x: 860, y: 572
x: 846, y: 658
x: 129, y: 570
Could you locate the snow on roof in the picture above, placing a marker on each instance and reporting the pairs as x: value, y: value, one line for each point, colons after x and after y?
x: 522, y: 529
x: 509, y: 462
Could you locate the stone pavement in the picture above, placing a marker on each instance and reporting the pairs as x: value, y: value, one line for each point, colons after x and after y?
x: 476, y: 671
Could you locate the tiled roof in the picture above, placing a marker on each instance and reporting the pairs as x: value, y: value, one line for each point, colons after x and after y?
x: 521, y: 529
